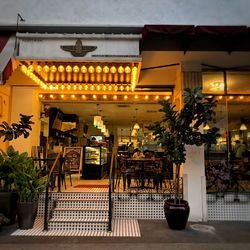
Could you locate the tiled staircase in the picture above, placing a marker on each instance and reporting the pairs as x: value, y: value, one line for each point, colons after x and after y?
x: 79, y: 211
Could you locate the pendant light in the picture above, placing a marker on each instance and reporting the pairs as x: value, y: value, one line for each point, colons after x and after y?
x: 136, y: 125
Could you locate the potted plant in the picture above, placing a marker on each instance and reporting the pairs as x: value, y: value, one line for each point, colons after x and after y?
x: 177, y: 129
x: 29, y: 183
x: 10, y: 161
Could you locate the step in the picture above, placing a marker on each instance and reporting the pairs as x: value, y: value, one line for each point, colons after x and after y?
x: 89, y: 202
x: 80, y: 212
x: 79, y: 224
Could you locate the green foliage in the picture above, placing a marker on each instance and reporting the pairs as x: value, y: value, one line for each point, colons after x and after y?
x: 15, y: 130
x: 18, y: 172
x: 9, y: 161
x: 180, y: 128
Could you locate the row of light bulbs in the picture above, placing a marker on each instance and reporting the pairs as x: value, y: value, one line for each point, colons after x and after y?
x: 130, y: 78
x: 231, y: 97
x: 103, y: 97
x: 83, y: 69
x: 87, y: 87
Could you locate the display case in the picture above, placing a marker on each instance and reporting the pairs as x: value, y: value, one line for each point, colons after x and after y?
x: 95, y: 162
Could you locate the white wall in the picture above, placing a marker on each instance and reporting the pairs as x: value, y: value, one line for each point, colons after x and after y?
x: 126, y: 13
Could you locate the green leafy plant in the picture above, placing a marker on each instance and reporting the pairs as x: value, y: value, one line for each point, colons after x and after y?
x: 13, y: 131
x: 28, y: 180
x: 179, y: 128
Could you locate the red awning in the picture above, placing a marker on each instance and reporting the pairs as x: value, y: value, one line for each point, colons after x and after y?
x: 6, y: 52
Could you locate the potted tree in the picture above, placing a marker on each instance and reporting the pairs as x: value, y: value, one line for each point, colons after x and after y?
x: 177, y: 129
x: 17, y: 172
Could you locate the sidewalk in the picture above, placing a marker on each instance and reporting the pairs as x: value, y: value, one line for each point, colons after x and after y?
x: 155, y: 234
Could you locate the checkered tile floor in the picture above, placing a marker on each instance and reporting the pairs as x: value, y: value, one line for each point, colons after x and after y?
x: 121, y: 228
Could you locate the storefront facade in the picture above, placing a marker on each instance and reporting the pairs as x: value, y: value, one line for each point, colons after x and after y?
x: 165, y: 58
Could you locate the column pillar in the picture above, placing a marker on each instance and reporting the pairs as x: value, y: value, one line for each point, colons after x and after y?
x: 194, y: 168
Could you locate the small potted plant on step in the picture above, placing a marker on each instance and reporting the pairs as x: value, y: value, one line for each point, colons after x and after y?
x: 177, y: 129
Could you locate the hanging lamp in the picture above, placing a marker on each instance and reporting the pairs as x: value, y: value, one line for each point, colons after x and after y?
x: 136, y: 125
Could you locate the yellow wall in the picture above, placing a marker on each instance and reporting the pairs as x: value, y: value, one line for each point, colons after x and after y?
x: 25, y: 100
x: 4, y: 110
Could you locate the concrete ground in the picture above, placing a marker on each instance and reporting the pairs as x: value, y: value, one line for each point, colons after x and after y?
x: 155, y: 234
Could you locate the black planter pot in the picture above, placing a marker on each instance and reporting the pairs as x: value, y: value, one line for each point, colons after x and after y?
x: 26, y: 214
x: 8, y: 205
x: 176, y: 214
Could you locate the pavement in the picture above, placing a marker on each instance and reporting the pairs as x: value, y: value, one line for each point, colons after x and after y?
x: 155, y: 234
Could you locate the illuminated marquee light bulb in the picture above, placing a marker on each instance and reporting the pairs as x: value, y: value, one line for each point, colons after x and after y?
x: 127, y: 70
x: 94, y: 97
x: 120, y: 70
x: 61, y: 69
x: 73, y: 96
x: 156, y: 97
x: 92, y: 87
x: 84, y: 69
x: 50, y: 86
x: 104, y: 97
x: 31, y: 68
x: 125, y: 97
x: 116, y: 88
x: 121, y: 88
x: 80, y: 87
x: 167, y: 97
x: 98, y: 69
x: 51, y: 96
x: 110, y: 87
x: 146, y: 97
x: 127, y: 88
x: 104, y: 87
x: 86, y: 87
x: 91, y: 69
x: 115, y: 97
x: 40, y: 95
x: 62, y: 96
x: 62, y: 87
x: 241, y: 97
x: 46, y: 68
x: 106, y: 69
x: 74, y: 87
x: 136, y: 96
x: 69, y: 69
x: 68, y: 87
x: 39, y: 68
x: 98, y: 87
x: 113, y: 69
x: 76, y: 69
x: 53, y: 69
x: 83, y: 97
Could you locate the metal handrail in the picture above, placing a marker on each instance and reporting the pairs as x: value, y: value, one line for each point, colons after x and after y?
x: 111, y: 189
x: 45, y: 224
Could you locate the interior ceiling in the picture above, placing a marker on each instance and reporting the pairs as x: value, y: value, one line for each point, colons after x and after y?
x: 125, y: 115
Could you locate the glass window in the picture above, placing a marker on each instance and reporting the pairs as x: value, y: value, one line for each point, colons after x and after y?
x: 238, y: 82
x: 213, y: 82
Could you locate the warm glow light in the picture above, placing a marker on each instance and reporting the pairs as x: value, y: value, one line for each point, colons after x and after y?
x: 206, y: 127
x: 241, y: 97
x: 113, y: 69
x: 146, y: 97
x: 31, y: 68
x: 98, y: 87
x: 40, y: 95
x: 115, y: 97
x: 46, y: 68
x: 62, y: 96
x: 75, y: 87
x: 110, y: 87
x: 80, y: 87
x: 243, y: 126
x: 69, y: 69
x: 116, y: 88
x: 125, y: 97
x: 167, y: 97
x: 61, y: 69
x: 86, y: 87
x: 231, y: 97
x: 120, y: 70
x: 220, y: 97
x: 92, y: 87
x: 51, y: 96
x: 39, y: 68
x: 91, y: 69
x: 136, y: 96
x: 73, y: 96
x: 83, y: 97
x: 76, y: 69
x: 121, y: 87
x: 68, y: 87
x: 106, y: 69
x: 216, y: 86
x: 98, y: 69
x: 156, y: 97
x: 94, y: 96
x: 62, y: 87
x: 84, y: 69
x: 127, y: 88
x: 127, y: 69
x: 104, y: 96
x: 53, y: 68
x: 104, y: 87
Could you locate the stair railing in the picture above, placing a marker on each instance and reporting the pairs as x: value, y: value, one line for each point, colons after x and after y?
x: 48, y: 185
x: 111, y: 189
